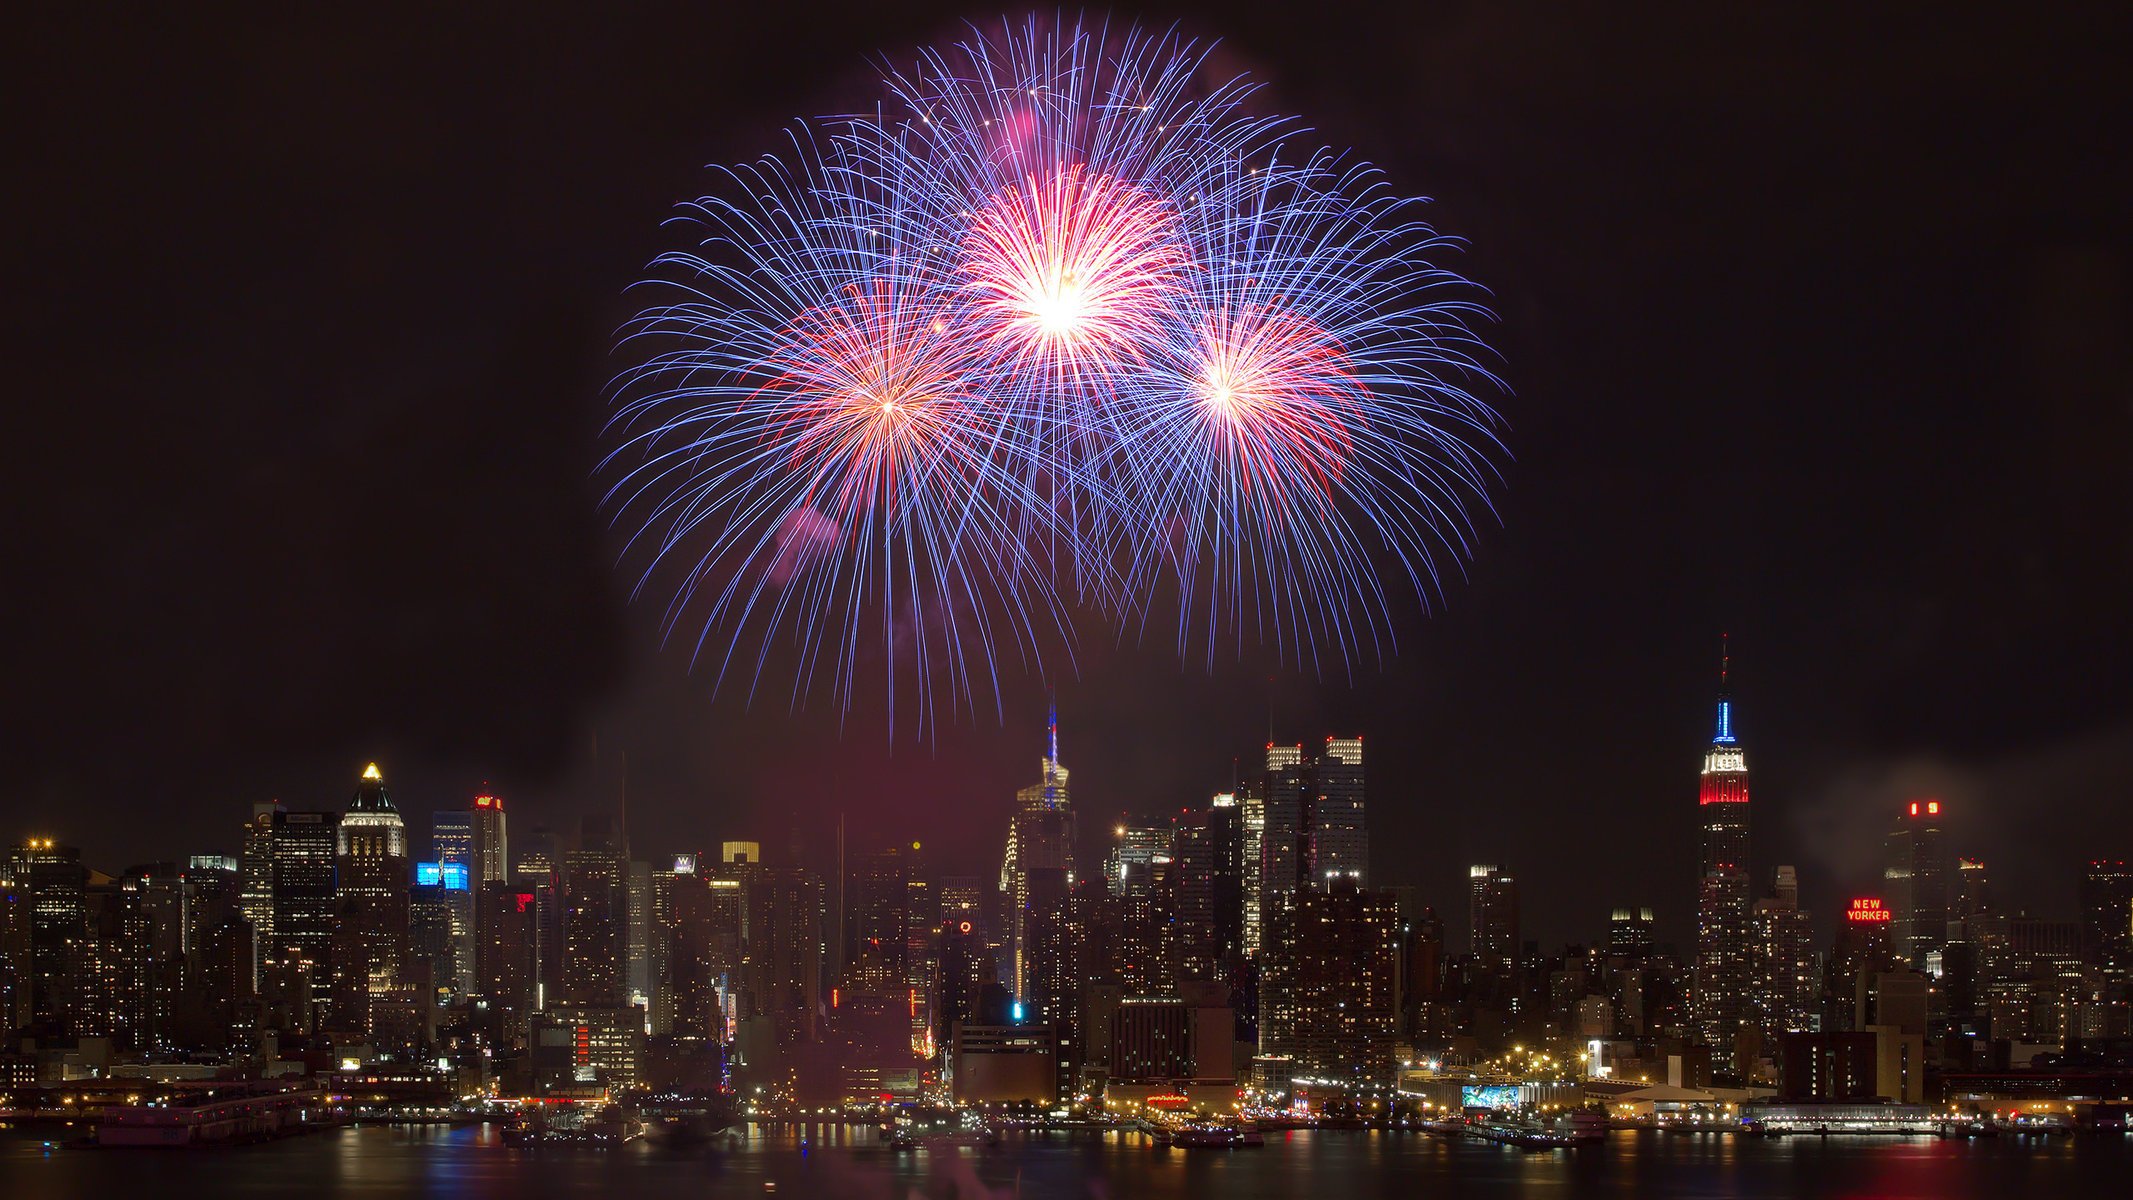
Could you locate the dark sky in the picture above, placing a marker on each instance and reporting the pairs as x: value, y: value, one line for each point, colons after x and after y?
x: 1818, y: 321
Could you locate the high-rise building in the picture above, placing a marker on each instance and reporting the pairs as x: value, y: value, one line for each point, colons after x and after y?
x: 1492, y: 920
x: 538, y: 869
x: 700, y: 916
x: 1134, y: 843
x: 256, y: 864
x: 370, y: 943
x: 56, y: 885
x: 1040, y: 837
x: 1786, y: 980
x: 595, y: 903
x: 878, y: 939
x: 1340, y: 842
x: 1329, y: 993
x: 506, y: 958
x: 1312, y: 828
x: 306, y: 907
x: 1725, y: 932
x: 490, y: 860
x: 2107, y: 916
x: 1632, y: 932
x: 781, y: 948
x: 1915, y: 883
x: 1251, y: 807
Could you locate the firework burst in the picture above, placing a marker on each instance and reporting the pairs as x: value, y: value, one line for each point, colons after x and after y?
x: 1061, y: 314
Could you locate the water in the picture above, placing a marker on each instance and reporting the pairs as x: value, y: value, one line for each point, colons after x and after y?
x: 471, y: 1164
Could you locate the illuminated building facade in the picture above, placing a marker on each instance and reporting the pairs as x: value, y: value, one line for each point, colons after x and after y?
x: 1492, y: 920
x: 2107, y: 917
x: 1915, y: 882
x: 1788, y: 980
x: 1040, y: 838
x: 1725, y: 937
x: 370, y: 950
x: 256, y: 866
x: 306, y: 903
x: 595, y: 895
x: 1329, y: 989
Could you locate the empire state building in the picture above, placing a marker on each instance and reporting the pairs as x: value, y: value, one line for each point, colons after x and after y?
x: 1724, y: 912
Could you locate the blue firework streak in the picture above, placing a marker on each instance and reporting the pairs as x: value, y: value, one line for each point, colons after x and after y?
x: 807, y: 449
x: 1060, y: 317
x: 1314, y: 413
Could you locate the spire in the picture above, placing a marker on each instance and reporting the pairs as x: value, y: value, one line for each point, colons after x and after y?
x: 370, y: 793
x: 1051, y: 736
x: 1724, y: 735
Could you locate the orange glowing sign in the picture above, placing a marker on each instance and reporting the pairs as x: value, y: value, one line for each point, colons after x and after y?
x: 1868, y: 911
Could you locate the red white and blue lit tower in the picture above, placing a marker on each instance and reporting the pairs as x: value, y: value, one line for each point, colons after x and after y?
x: 1724, y: 912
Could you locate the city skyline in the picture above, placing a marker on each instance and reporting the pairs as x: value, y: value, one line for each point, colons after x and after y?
x: 266, y: 546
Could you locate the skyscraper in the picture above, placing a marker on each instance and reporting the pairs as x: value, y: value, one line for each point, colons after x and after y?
x: 1340, y: 842
x: 595, y: 892
x: 370, y: 944
x: 1725, y: 935
x: 1312, y: 826
x: 1040, y: 837
x: 256, y: 866
x: 1787, y: 985
x: 1915, y: 883
x: 875, y: 925
x: 306, y: 903
x: 491, y: 857
x: 1492, y: 920
x: 1329, y: 996
x: 2107, y: 916
x: 57, y: 884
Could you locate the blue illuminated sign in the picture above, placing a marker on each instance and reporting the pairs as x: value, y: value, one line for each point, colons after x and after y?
x: 429, y: 874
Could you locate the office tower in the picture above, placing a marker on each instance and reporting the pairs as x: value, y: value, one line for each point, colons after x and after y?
x: 1133, y: 844
x: 454, y: 842
x: 256, y: 863
x: 1040, y: 836
x: 433, y: 928
x: 1339, y: 841
x: 641, y: 964
x: 306, y: 902
x: 491, y: 847
x: 1863, y: 948
x: 113, y: 975
x: 55, y: 884
x: 537, y: 869
x: 962, y: 966
x: 1724, y: 913
x: 595, y: 903
x: 702, y: 916
x: 1423, y: 970
x: 876, y: 929
x: 370, y: 944
x: 1632, y: 932
x: 781, y: 947
x: 922, y: 918
x: 1786, y: 983
x: 1915, y: 883
x: 506, y: 958
x: 1329, y: 995
x: 1492, y: 920
x: 1312, y: 821
x: 2107, y: 916
x: 1251, y: 809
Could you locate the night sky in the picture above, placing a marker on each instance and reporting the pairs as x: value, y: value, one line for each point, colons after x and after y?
x: 1819, y: 320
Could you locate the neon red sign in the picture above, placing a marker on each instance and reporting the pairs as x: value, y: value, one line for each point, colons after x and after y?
x: 1868, y: 911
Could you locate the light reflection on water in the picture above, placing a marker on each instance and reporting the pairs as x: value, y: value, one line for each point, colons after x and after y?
x: 830, y: 1160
